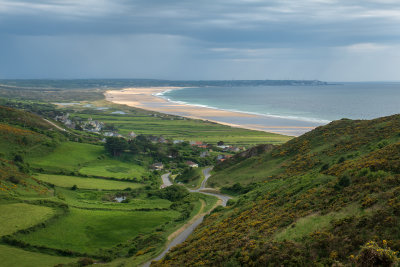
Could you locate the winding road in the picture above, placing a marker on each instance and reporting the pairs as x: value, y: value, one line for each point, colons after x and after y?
x: 185, y: 234
x: 166, y: 181
x: 202, y: 188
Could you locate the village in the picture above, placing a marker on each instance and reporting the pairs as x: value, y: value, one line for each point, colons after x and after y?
x: 219, y: 152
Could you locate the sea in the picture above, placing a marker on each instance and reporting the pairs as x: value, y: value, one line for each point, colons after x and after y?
x: 313, y: 105
x: 292, y: 107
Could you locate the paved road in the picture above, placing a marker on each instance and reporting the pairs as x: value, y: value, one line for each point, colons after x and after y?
x: 182, y: 236
x: 206, y: 173
x: 177, y: 240
x: 166, y: 181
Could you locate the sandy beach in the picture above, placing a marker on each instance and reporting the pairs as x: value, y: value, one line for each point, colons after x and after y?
x: 146, y: 98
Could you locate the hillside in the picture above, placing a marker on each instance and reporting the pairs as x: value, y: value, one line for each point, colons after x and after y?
x: 65, y: 199
x: 331, y: 196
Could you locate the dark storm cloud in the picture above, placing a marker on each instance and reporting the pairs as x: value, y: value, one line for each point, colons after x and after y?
x: 208, y: 33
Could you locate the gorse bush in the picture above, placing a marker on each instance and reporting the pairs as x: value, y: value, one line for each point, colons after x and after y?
x: 372, y: 255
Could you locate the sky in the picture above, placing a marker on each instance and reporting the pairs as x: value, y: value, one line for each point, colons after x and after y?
x: 329, y: 40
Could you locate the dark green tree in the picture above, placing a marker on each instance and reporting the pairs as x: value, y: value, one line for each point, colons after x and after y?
x: 115, y: 145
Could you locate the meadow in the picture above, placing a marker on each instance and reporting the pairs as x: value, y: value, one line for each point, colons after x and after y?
x: 85, y: 183
x: 17, y: 216
x: 85, y: 159
x: 89, y: 230
x: 11, y: 256
x: 113, y: 168
x: 103, y: 200
x: 68, y: 156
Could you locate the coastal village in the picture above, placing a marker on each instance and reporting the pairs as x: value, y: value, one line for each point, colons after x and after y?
x: 219, y: 151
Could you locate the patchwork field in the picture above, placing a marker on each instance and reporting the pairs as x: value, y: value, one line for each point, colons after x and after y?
x: 86, y: 183
x: 86, y: 203
x: 17, y: 216
x: 67, y: 156
x: 178, y: 128
x: 114, y: 169
x: 11, y: 256
x: 90, y: 199
x: 88, y: 230
x: 86, y: 159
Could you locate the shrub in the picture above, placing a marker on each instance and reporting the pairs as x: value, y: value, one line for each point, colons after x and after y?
x: 18, y: 158
x: 368, y: 201
x: 172, y: 193
x: 371, y: 254
x: 74, y: 187
x: 382, y: 144
x: 85, y: 261
x: 344, y: 181
x: 324, y: 167
x: 14, y: 180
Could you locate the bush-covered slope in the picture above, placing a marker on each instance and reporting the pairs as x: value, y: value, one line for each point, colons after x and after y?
x: 319, y: 200
x: 21, y: 134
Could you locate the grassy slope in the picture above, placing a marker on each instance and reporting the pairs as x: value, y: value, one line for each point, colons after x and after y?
x: 114, y: 169
x: 17, y: 139
x: 17, y: 216
x: 88, y: 230
x: 94, y: 222
x: 321, y: 197
x: 10, y: 256
x: 209, y: 202
x: 85, y: 183
x: 86, y: 159
x: 67, y: 156
x: 91, y: 199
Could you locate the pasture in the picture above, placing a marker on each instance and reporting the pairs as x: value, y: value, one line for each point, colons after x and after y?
x: 85, y: 183
x: 89, y: 230
x: 11, y: 256
x: 90, y: 199
x: 172, y: 127
x: 17, y: 216
x: 114, y: 169
x: 86, y: 159
x: 67, y: 156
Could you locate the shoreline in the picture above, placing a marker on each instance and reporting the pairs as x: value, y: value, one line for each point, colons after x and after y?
x: 150, y: 98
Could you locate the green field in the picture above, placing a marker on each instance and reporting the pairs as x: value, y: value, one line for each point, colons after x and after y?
x: 93, y: 200
x: 88, y: 218
x: 180, y: 129
x: 67, y: 156
x: 114, y: 169
x: 88, y: 230
x: 19, y: 216
x: 86, y: 159
x: 85, y: 183
x: 10, y: 256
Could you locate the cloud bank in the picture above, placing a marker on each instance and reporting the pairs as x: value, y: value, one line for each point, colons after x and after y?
x: 209, y: 39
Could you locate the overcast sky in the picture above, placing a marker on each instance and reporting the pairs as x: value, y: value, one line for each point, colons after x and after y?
x: 346, y: 40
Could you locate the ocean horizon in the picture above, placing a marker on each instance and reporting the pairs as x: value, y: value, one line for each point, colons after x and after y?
x: 313, y: 105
